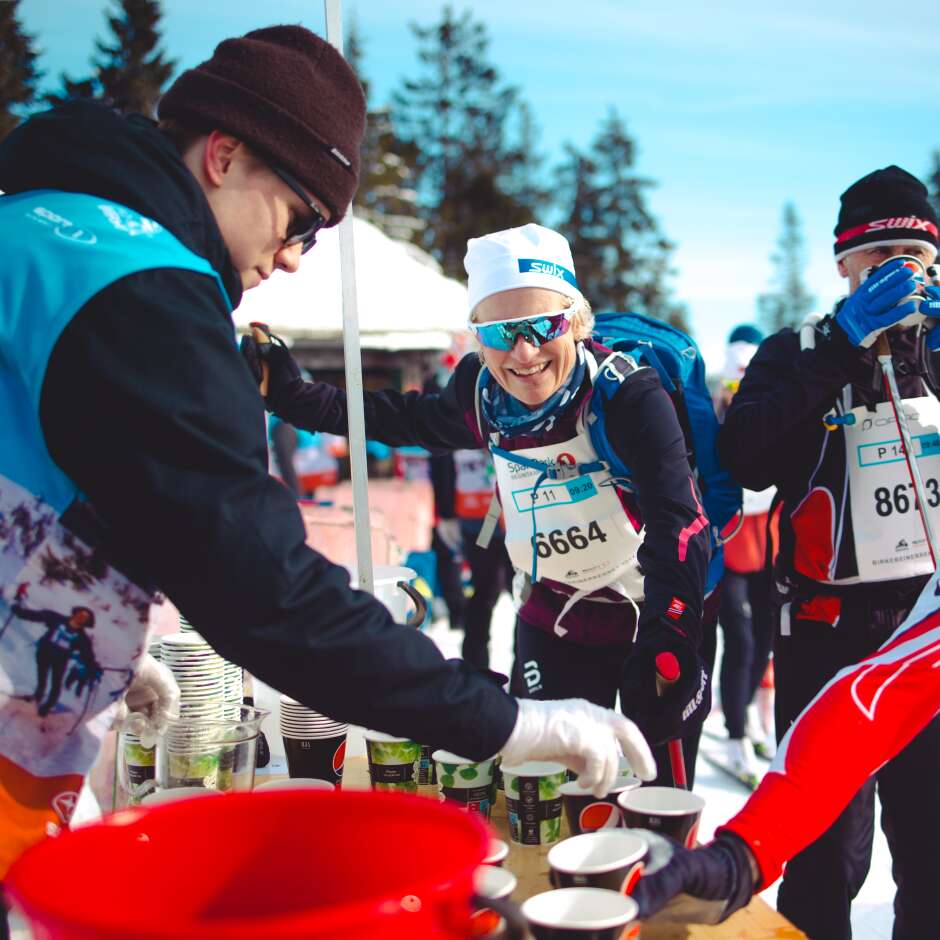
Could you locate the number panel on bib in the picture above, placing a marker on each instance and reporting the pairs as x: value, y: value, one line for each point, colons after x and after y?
x: 890, y: 542
x: 576, y: 528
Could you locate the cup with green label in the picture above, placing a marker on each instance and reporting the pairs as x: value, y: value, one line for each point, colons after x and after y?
x: 467, y: 782
x: 533, y: 801
x: 393, y: 762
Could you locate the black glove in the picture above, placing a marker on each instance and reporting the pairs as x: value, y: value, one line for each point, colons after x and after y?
x: 667, y: 711
x: 284, y: 378
x: 704, y: 886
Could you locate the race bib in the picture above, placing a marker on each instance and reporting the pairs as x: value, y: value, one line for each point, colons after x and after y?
x: 576, y: 527
x: 890, y: 542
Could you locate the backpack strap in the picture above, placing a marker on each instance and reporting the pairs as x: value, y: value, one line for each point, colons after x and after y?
x: 610, y: 375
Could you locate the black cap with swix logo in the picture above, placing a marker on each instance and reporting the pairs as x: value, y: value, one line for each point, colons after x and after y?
x: 887, y: 207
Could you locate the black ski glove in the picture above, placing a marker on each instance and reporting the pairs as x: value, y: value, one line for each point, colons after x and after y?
x: 703, y: 886
x: 666, y: 711
x: 284, y: 379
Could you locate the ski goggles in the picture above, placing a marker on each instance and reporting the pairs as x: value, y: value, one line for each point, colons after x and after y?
x: 537, y: 330
x: 302, y: 230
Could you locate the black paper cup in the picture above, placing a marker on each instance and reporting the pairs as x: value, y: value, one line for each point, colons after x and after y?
x: 320, y: 758
x: 582, y: 914
x: 588, y: 813
x: 669, y: 811
x: 613, y: 859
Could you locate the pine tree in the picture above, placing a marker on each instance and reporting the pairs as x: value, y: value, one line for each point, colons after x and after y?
x: 933, y: 181
x: 387, y: 194
x: 18, y: 73
x: 460, y: 118
x: 621, y: 256
x: 130, y: 72
x: 788, y: 304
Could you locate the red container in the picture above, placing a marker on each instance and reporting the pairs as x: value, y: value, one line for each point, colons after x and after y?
x: 278, y: 864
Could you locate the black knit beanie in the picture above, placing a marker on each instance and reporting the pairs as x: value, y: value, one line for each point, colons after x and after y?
x: 884, y: 208
x: 289, y: 95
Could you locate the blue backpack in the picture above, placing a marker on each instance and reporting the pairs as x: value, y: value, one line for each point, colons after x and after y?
x: 681, y: 369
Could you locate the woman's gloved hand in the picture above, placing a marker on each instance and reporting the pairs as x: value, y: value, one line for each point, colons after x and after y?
x: 284, y: 377
x: 703, y: 886
x: 664, y: 711
x: 584, y: 737
x: 151, y: 700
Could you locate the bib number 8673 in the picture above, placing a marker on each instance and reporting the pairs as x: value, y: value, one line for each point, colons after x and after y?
x: 560, y: 542
x: 888, y: 501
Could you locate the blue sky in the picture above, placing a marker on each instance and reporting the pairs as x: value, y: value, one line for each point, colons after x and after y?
x: 736, y: 107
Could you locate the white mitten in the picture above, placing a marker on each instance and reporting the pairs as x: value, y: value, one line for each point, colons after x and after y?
x: 582, y: 736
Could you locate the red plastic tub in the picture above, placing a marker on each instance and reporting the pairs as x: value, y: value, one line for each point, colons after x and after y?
x: 277, y: 865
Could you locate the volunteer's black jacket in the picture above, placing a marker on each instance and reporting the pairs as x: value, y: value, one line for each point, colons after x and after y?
x: 773, y: 432
x: 148, y: 406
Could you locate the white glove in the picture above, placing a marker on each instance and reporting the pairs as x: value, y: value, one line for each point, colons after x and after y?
x: 582, y: 736
x: 153, y: 697
x: 448, y: 531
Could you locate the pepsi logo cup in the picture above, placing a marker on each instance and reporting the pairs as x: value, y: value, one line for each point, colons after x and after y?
x: 319, y: 758
x: 668, y: 811
x: 587, y: 813
x: 582, y: 914
x: 613, y: 860
x: 492, y: 884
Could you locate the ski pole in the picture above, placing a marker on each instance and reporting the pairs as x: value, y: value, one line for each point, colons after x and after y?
x: 667, y: 674
x: 883, y: 352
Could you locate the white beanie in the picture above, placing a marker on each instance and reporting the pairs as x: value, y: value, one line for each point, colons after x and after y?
x: 528, y: 256
x: 737, y: 357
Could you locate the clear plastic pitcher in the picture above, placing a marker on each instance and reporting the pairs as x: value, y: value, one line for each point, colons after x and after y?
x: 215, y: 754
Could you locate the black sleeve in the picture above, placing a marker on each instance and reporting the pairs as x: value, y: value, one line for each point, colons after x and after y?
x: 443, y: 474
x: 645, y: 433
x: 784, y: 395
x: 438, y: 422
x: 50, y: 618
x: 148, y: 406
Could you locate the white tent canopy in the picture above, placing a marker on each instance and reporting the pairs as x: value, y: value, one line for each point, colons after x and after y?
x: 404, y: 302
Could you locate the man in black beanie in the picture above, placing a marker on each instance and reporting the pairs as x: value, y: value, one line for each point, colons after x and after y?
x: 134, y: 455
x: 813, y: 419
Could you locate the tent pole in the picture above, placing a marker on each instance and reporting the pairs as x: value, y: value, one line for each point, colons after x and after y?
x: 352, y: 355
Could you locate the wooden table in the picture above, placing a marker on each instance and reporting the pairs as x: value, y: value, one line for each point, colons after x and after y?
x: 529, y: 863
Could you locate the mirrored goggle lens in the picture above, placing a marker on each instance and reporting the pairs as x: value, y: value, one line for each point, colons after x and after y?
x: 535, y: 330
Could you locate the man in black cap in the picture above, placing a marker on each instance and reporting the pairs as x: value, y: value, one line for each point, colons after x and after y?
x: 134, y: 430
x: 813, y: 419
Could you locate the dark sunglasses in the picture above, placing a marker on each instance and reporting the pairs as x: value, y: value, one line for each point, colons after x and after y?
x: 302, y: 231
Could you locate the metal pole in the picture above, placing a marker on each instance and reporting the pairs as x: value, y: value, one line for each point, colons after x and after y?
x: 883, y: 351
x: 353, y: 358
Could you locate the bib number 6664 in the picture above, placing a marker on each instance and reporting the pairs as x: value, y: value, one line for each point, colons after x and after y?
x: 560, y: 542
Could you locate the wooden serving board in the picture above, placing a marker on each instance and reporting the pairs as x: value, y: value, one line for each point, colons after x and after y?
x: 529, y: 863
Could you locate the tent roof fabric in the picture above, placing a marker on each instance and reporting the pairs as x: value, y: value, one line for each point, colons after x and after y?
x: 403, y: 303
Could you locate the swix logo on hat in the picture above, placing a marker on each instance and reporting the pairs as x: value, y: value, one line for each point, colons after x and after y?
x: 339, y: 758
x: 535, y: 266
x: 676, y: 609
x: 909, y: 222
x: 599, y: 816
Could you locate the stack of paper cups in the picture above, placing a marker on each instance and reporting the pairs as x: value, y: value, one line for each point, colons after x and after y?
x: 315, y: 745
